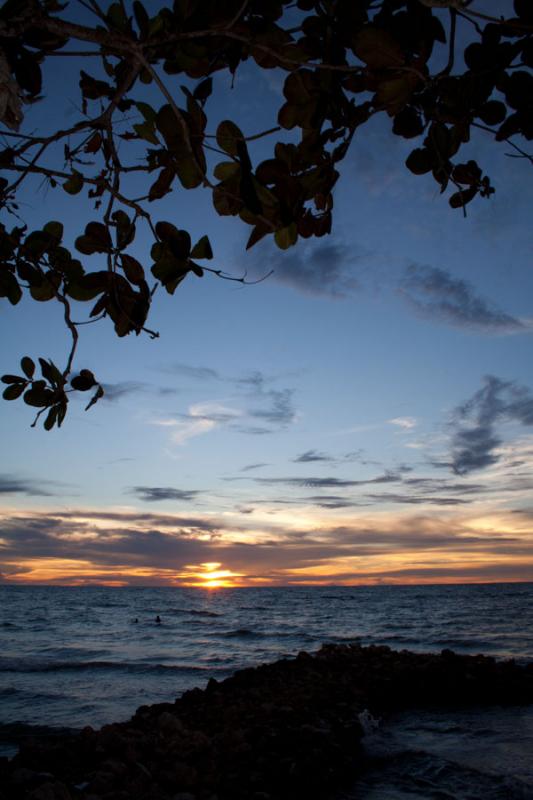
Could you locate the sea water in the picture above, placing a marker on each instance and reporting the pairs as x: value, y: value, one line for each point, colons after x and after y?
x: 76, y: 656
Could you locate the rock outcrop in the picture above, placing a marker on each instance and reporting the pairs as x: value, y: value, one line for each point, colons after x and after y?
x: 284, y: 730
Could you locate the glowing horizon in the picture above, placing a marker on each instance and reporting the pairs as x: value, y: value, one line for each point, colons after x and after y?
x: 131, y: 548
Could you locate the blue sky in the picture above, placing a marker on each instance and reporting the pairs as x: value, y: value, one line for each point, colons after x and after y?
x: 365, y: 414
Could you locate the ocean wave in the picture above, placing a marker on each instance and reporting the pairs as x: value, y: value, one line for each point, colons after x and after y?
x: 345, y: 639
x: 195, y: 612
x: 131, y: 667
x: 20, y: 731
x: 242, y: 633
x: 419, y: 774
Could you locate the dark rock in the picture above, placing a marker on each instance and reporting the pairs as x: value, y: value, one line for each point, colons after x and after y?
x: 274, y: 732
x: 50, y: 791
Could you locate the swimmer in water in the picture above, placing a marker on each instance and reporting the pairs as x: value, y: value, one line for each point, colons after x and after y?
x: 158, y: 620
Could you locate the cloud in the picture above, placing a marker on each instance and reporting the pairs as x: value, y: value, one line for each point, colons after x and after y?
x: 194, y: 372
x: 201, y: 418
x: 212, y: 412
x: 115, y: 391
x: 405, y: 423
x: 327, y: 483
x: 407, y: 499
x: 252, y: 401
x: 331, y: 501
x: 156, y: 494
x: 475, y: 441
x: 27, y: 486
x: 279, y: 410
x: 434, y: 485
x: 182, y: 431
x: 88, y: 546
x: 311, y: 455
x: 435, y: 293
x: 253, y: 430
x: 316, y: 269
x: 410, y: 490
x: 277, y: 404
x: 250, y: 467
x: 139, y: 519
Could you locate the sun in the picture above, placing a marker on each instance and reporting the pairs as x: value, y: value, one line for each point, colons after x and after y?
x: 208, y: 575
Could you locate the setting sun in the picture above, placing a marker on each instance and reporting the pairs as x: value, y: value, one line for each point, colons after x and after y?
x: 208, y: 576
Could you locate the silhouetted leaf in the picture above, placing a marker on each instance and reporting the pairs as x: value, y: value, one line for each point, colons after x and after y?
x: 9, y: 287
x: 189, y: 173
x: 227, y: 169
x: 166, y: 231
x: 47, y: 288
x: 203, y: 90
x: 196, y: 268
x: 55, y: 229
x: 39, y: 396
x: 258, y: 233
x: 524, y: 10
x: 88, y: 286
x: 142, y: 19
x: 84, y: 381
x: 460, y: 199
x: 51, y: 372
x: 28, y: 72
x: 202, y: 249
x: 95, y: 240
x: 419, y: 161
x: 13, y: 391
x: 74, y: 184
x: 28, y: 366
x: 378, y: 48
x: 94, y: 399
x: 51, y: 418
x: 146, y: 130
x: 286, y: 237
x: 94, y: 143
x: 125, y: 229
x: 132, y: 269
x: 228, y: 136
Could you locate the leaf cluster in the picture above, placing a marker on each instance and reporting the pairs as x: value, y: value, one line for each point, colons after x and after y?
x: 344, y: 62
x: 50, y: 392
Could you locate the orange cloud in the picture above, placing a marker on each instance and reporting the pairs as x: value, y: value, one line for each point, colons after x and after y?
x: 134, y: 548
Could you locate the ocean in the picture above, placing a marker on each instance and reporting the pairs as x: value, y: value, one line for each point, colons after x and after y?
x: 77, y: 656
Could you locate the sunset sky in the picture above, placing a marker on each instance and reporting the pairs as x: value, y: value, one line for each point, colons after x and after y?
x: 363, y: 415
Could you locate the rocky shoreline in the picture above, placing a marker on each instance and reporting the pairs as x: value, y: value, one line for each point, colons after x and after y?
x: 283, y: 730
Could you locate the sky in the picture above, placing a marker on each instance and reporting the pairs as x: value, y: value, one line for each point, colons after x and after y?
x: 364, y: 415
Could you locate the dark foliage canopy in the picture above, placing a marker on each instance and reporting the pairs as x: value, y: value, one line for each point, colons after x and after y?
x: 345, y: 61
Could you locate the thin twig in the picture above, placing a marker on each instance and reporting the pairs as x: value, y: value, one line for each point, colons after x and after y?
x: 177, y: 113
x: 225, y: 276
x: 99, y: 182
x: 521, y: 26
x: 73, y: 332
x: 73, y: 53
x: 94, y: 8
x: 237, y: 16
x: 518, y: 149
x: 477, y: 27
x: 451, y: 51
x: 90, y: 321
